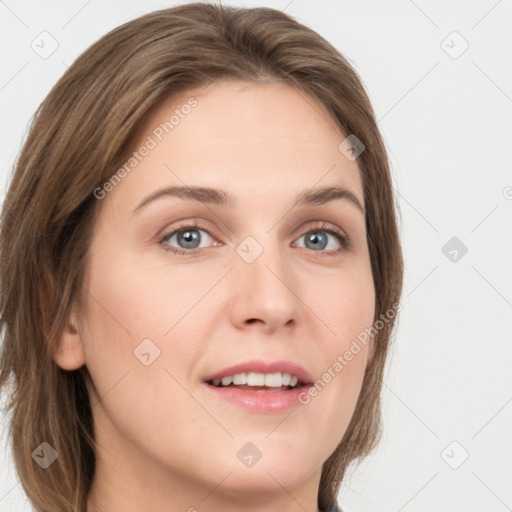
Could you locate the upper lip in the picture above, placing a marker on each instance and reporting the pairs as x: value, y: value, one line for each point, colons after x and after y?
x: 259, y: 366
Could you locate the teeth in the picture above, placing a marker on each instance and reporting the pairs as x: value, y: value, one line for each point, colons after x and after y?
x: 271, y: 380
x: 240, y: 378
x: 255, y: 379
x: 286, y: 377
x: 226, y: 381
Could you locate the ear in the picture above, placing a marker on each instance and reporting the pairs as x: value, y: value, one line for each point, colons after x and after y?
x: 70, y: 354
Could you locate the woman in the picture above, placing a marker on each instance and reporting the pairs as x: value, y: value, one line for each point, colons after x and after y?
x: 200, y: 271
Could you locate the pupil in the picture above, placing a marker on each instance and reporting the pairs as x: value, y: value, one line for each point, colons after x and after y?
x: 315, y: 237
x: 190, y: 237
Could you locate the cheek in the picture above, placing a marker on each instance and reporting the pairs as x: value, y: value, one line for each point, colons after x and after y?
x: 134, y: 299
x: 345, y: 306
x: 140, y: 326
x: 142, y: 401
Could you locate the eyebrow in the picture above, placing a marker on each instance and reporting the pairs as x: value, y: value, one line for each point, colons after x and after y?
x: 218, y: 197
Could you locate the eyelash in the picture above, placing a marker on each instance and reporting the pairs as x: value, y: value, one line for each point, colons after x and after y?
x: 345, y: 242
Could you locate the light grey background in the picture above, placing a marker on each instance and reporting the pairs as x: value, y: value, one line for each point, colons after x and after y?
x: 447, y: 122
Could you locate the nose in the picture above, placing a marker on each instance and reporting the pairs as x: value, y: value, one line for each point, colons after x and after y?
x: 264, y: 291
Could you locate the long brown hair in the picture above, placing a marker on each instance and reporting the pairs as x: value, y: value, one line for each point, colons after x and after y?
x: 77, y: 138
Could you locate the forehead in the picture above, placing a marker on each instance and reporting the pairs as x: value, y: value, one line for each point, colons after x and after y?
x: 244, y: 137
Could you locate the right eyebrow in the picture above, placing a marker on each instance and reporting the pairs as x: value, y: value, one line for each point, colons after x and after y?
x: 199, y: 194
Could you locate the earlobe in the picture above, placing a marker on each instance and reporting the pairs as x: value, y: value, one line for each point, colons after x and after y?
x: 70, y: 354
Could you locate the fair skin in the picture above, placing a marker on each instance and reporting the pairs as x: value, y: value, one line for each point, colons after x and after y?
x: 166, y: 442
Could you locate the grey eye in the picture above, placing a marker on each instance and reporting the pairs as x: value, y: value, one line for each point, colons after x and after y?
x: 318, y: 240
x: 187, y: 238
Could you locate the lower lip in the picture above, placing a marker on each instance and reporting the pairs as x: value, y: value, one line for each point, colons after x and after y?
x: 261, y: 401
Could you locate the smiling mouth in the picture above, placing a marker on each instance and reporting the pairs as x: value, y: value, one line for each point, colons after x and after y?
x: 262, y: 382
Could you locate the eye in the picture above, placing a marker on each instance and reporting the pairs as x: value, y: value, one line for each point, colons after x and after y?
x: 187, y: 237
x: 317, y: 240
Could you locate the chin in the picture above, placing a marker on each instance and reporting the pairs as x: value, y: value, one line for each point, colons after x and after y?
x: 257, y: 467
x: 261, y: 479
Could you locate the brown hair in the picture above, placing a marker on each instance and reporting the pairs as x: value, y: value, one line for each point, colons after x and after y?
x: 78, y: 136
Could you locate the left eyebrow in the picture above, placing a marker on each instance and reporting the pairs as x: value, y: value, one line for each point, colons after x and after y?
x: 318, y: 196
x: 218, y: 197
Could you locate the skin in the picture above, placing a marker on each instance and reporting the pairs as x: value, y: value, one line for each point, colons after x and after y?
x: 165, y: 443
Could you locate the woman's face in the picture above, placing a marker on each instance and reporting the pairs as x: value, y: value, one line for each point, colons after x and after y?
x: 258, y: 279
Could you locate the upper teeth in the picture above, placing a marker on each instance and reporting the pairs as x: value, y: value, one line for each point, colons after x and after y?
x: 273, y: 380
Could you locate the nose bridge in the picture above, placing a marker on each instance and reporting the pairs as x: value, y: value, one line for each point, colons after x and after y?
x: 264, y: 281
